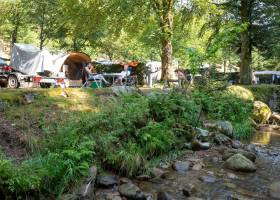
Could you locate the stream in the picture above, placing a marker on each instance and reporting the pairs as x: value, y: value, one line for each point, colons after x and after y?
x: 212, y: 181
x: 223, y: 183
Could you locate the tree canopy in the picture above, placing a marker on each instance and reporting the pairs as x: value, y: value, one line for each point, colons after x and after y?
x: 243, y: 33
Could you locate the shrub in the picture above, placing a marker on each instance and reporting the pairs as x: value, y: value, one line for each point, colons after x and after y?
x: 223, y: 105
x: 156, y: 139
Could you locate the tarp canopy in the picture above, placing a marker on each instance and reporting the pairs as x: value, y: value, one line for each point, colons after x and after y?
x: 2, y: 62
x: 31, y: 60
x: 267, y: 72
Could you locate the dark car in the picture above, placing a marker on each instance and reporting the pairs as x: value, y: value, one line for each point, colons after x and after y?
x: 5, y: 70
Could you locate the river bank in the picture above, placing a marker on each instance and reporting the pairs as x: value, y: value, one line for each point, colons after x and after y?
x: 65, y: 132
x: 206, y: 177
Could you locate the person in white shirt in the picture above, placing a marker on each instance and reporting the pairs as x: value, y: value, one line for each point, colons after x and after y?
x: 123, y: 74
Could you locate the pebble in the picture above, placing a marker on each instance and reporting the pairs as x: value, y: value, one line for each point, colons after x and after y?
x: 207, y: 179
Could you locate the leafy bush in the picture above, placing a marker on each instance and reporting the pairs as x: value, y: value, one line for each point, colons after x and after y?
x: 222, y: 105
x: 155, y: 139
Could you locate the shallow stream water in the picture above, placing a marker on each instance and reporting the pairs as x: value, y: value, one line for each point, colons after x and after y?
x: 243, y: 186
x: 267, y: 136
x: 213, y: 181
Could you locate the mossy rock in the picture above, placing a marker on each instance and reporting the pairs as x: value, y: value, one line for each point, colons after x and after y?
x: 241, y: 92
x: 238, y: 162
x: 261, y: 112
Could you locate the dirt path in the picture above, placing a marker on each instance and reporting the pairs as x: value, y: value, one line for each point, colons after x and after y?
x: 11, y: 142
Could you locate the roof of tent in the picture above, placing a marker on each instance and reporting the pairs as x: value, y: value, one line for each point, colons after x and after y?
x: 31, y: 60
x: 2, y: 62
x: 266, y: 72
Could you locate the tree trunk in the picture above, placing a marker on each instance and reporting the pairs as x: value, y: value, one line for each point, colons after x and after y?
x: 42, y: 38
x: 14, y: 35
x: 16, y: 24
x: 246, y: 43
x: 166, y: 25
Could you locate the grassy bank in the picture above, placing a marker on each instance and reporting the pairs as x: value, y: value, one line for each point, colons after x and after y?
x: 124, y: 134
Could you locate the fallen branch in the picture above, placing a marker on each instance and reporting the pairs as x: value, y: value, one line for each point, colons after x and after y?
x: 275, y: 118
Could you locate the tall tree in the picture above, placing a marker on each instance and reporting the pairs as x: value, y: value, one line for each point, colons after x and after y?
x: 43, y: 15
x: 258, y: 22
x: 246, y: 9
x: 164, y: 10
x: 14, y: 17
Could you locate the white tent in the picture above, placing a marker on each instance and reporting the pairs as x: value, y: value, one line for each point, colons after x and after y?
x: 31, y: 60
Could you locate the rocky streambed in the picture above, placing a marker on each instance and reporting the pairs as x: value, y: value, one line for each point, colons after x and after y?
x: 205, y: 174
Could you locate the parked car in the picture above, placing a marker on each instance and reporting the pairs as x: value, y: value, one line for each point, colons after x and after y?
x: 7, y: 79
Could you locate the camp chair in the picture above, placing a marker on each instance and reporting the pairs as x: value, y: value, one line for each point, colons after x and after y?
x: 95, y: 79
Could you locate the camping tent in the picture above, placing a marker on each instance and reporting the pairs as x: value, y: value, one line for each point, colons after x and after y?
x: 31, y: 60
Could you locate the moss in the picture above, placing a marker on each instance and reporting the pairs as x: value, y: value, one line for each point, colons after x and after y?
x: 241, y: 92
x: 261, y: 112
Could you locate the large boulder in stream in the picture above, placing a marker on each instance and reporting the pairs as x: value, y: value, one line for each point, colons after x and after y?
x: 238, y: 162
x: 230, y: 152
x: 131, y: 191
x: 261, y: 112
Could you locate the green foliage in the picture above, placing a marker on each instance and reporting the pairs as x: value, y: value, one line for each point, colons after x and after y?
x: 127, y: 136
x: 67, y: 157
x: 156, y: 139
x: 223, y: 105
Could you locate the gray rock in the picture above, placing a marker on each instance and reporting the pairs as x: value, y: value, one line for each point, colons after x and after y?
x: 124, y: 180
x: 274, y: 190
x: 189, y: 190
x: 215, y: 159
x: 164, y: 196
x: 225, y: 127
x: 120, y: 90
x: 107, y: 181
x: 231, y: 175
x: 222, y: 139
x: 156, y: 172
x: 29, y: 98
x: 131, y: 191
x: 205, y: 145
x: 237, y: 144
x: 3, y: 106
x: 143, y: 177
x: 107, y: 195
x: 181, y: 166
x: 202, y: 134
x: 207, y: 179
x: 250, y: 148
x: 197, y: 167
x: 230, y: 152
x: 238, y: 162
x: 209, y: 125
x: 188, y: 146
x: 197, y: 146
